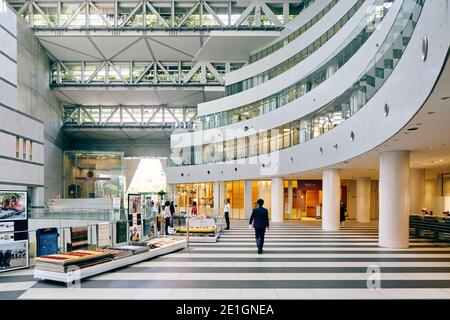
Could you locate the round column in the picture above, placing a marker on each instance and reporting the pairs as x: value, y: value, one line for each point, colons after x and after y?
x: 394, y: 199
x: 417, y: 190
x: 37, y: 197
x: 277, y: 197
x: 363, y: 199
x: 248, y: 205
x: 290, y: 198
x: 331, y: 196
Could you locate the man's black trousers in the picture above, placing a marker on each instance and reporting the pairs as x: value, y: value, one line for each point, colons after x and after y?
x: 259, y: 236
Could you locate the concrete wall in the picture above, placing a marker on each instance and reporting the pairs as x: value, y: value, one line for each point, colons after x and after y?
x: 35, y: 98
x: 29, y: 112
x: 18, y: 128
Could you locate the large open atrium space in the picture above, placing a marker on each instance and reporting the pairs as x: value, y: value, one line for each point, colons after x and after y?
x: 224, y: 156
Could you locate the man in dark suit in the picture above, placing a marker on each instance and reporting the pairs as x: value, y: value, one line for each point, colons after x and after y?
x: 260, y: 221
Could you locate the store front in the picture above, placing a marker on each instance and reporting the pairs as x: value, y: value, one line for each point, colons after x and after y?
x: 201, y: 193
x: 306, y: 199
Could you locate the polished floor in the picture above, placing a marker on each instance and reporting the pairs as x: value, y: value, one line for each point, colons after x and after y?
x: 300, y: 261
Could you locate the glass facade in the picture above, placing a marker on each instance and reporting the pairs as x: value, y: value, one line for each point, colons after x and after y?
x: 90, y: 174
x: 294, y: 60
x: 294, y: 35
x: 349, y: 47
x: 338, y: 110
x: 201, y: 193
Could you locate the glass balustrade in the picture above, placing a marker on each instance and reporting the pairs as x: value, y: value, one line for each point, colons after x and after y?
x: 338, y: 58
x: 300, y: 56
x: 294, y: 35
x: 325, y: 119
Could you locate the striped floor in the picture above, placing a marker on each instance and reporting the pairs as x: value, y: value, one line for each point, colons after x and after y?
x: 299, y: 262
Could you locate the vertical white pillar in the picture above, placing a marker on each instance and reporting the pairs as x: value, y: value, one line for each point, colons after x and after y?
x: 37, y: 197
x: 222, y: 197
x: 417, y: 190
x: 216, y: 198
x: 248, y: 205
x: 277, y: 197
x: 394, y: 199
x: 290, y: 199
x: 363, y: 199
x: 331, y: 195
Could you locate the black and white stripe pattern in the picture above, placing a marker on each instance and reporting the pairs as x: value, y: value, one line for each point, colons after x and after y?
x: 300, y: 261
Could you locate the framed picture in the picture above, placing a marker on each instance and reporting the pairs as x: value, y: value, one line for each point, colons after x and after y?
x: 135, y: 233
x: 13, y: 205
x: 6, y: 231
x: 13, y: 255
x: 134, y: 203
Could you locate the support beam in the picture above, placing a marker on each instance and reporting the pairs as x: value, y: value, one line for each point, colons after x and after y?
x: 290, y: 198
x: 394, y: 199
x: 331, y: 195
x: 248, y: 203
x: 277, y: 199
x: 363, y: 199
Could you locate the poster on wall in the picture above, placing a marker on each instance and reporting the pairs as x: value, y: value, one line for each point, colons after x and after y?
x: 13, y: 255
x: 134, y: 203
x: 6, y: 231
x: 13, y: 205
x: 135, y: 216
x: 135, y: 233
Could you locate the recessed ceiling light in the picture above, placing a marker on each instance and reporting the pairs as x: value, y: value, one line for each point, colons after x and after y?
x: 440, y: 160
x: 445, y: 98
x: 431, y: 112
x: 413, y: 129
x: 418, y: 124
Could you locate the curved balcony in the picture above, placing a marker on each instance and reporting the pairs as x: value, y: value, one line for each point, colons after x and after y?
x: 321, y: 121
x: 260, y: 54
x: 301, y: 55
x: 349, y: 47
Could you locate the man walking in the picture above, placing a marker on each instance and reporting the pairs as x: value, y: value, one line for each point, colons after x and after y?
x: 260, y: 221
x: 227, y: 213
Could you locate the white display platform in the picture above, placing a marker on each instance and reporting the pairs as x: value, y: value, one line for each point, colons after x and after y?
x: 79, y: 274
x: 199, y: 239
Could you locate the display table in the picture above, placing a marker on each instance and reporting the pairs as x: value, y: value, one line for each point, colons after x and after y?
x: 200, y: 230
x: 77, y: 274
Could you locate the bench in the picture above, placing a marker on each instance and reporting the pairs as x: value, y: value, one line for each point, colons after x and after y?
x: 438, y: 226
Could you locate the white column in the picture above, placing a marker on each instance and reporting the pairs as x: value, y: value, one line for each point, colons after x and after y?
x: 290, y: 198
x: 331, y: 195
x: 216, y: 198
x: 37, y: 197
x: 417, y: 190
x: 248, y: 205
x: 363, y: 199
x: 394, y: 199
x: 277, y: 197
x: 220, y: 195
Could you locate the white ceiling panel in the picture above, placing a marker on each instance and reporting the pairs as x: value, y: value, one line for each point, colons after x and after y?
x: 234, y: 45
x: 111, y: 46
x: 137, y: 52
x: 71, y: 48
x: 150, y: 96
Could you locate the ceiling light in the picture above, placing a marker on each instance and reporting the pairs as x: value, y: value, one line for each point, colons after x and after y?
x: 413, y: 129
x: 431, y: 112
x: 445, y: 98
